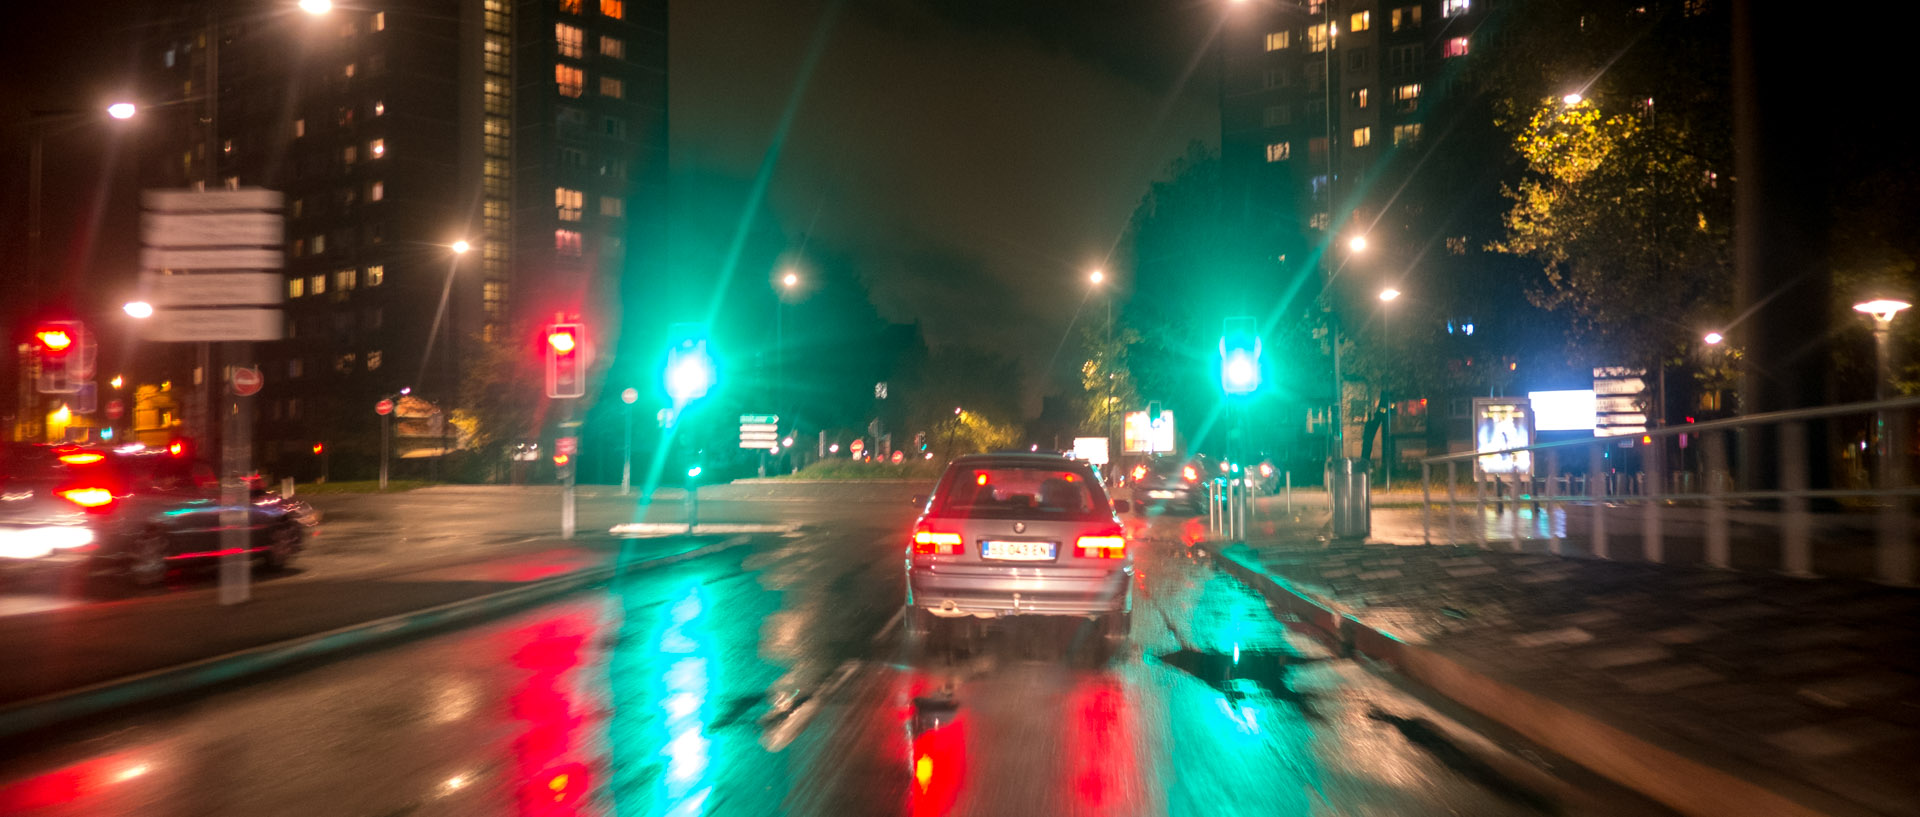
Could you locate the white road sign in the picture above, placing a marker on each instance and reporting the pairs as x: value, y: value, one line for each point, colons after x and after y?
x: 204, y: 201
x: 249, y: 258
x: 211, y: 229
x: 211, y: 289
x: 215, y: 324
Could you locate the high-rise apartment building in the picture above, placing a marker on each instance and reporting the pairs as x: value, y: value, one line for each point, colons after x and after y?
x: 533, y: 130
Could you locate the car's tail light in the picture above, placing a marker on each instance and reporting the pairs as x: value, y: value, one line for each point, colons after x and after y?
x: 1106, y: 544
x: 930, y: 542
x: 1190, y: 473
x: 1139, y: 473
x: 93, y: 499
x: 82, y: 458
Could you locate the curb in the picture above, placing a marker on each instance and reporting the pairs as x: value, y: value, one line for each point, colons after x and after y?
x: 1679, y: 781
x: 94, y: 699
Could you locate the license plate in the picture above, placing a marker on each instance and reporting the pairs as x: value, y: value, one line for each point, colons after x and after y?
x: 1160, y: 494
x: 1017, y: 551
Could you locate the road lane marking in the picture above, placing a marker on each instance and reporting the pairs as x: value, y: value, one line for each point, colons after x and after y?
x: 796, y: 721
x: 891, y: 623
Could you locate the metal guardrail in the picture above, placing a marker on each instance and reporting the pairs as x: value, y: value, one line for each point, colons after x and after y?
x: 1655, y: 487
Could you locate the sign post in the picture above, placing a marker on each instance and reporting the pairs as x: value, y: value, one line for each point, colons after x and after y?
x: 626, y: 464
x: 384, y: 408
x: 207, y: 263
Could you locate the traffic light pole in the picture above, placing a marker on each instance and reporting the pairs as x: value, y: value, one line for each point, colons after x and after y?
x: 237, y: 535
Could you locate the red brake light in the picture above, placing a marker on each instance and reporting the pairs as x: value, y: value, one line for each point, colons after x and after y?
x: 1139, y: 472
x: 89, y: 498
x: 82, y: 458
x: 1107, y: 544
x: 1190, y: 473
x: 929, y: 542
x: 176, y: 448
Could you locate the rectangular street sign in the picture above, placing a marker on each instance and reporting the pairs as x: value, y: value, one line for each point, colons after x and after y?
x: 768, y: 445
x: 759, y: 419
x: 215, y: 324
x: 248, y: 258
x: 211, y: 289
x: 211, y: 230
x: 205, y: 201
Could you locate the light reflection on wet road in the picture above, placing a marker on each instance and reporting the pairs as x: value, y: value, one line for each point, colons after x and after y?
x: 774, y: 680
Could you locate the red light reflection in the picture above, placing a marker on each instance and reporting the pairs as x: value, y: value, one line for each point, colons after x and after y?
x: 1102, y: 767
x: 70, y: 784
x: 554, y: 783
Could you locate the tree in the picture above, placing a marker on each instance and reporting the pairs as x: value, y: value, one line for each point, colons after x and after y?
x: 1107, y: 386
x: 502, y: 394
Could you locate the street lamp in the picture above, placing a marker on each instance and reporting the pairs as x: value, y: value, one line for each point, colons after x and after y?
x: 1714, y: 338
x: 1572, y: 99
x: 1357, y: 243
x: 1098, y: 278
x: 138, y: 309
x: 1388, y: 294
x: 122, y: 110
x: 460, y: 247
x: 1883, y: 311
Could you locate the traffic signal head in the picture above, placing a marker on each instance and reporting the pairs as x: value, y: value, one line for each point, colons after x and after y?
x: 690, y: 372
x: 1240, y: 357
x: 566, y: 360
x: 54, y: 340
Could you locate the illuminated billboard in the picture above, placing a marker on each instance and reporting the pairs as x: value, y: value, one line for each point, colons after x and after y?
x: 1569, y: 410
x: 1142, y: 437
x: 1500, y: 423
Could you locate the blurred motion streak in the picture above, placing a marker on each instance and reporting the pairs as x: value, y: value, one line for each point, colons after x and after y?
x: 552, y: 782
x: 72, y: 785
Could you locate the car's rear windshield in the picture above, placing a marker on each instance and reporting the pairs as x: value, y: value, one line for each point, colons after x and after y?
x: 1021, y: 492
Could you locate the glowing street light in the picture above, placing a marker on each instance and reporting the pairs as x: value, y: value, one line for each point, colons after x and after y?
x: 1357, y: 243
x: 1097, y: 276
x: 461, y: 247
x: 316, y: 7
x: 1882, y: 309
x: 122, y: 110
x: 790, y: 280
x: 1714, y: 338
x: 138, y: 309
x: 1573, y: 98
x: 1389, y: 294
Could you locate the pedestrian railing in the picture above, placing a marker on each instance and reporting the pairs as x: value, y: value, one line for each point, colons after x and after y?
x: 1783, y: 470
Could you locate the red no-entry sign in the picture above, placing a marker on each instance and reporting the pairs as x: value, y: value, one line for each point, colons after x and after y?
x: 383, y: 407
x: 247, y: 381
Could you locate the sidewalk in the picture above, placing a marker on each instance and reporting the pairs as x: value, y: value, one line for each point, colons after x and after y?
x: 1794, y: 694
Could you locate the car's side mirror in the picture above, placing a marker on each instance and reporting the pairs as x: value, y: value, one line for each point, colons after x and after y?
x: 917, y: 500
x: 1122, y: 506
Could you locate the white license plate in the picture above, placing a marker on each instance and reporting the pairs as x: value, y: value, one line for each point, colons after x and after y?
x: 1017, y: 551
x: 1160, y: 494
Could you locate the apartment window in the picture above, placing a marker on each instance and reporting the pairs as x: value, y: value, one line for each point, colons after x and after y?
x: 317, y: 284
x: 299, y: 248
x: 349, y: 154
x: 373, y: 318
x: 614, y: 169
x: 573, y: 158
x: 344, y: 363
x: 613, y: 47
x: 566, y: 243
x: 1320, y: 221
x: 376, y: 275
x: 572, y: 123
x: 1317, y: 38
x: 319, y: 244
x: 571, y: 40
x: 613, y: 207
x: 1406, y: 18
x: 570, y: 6
x: 1357, y: 59
x: 373, y: 360
x: 572, y: 81
x: 1454, y: 8
x: 1406, y: 134
x: 379, y: 21
x: 346, y: 279
x: 299, y: 128
x: 379, y: 108
x: 1404, y: 59
x: 1275, y: 78
x: 1277, y: 116
x: 613, y: 9
x: 1360, y: 21
x: 377, y: 148
x: 615, y: 127
x: 1359, y: 99
x: 569, y: 203
x: 1314, y: 6
x: 1406, y: 98
x: 1456, y: 47
x: 1279, y: 151
x: 1362, y: 137
x: 1279, y: 40
x: 296, y: 287
x: 612, y: 88
x: 376, y: 191
x: 297, y: 367
x: 1317, y: 152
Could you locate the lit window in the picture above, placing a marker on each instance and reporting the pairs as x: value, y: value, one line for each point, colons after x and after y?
x: 373, y: 360
x: 346, y: 279
x: 1456, y: 47
x: 1360, y: 21
x: 612, y: 88
x: 296, y: 287
x: 379, y: 21
x: 1406, y: 97
x: 613, y: 9
x: 1406, y: 18
x: 376, y: 275
x: 376, y: 191
x: 571, y: 40
x: 299, y: 128
x: 1317, y: 38
x: 1279, y: 151
x: 613, y: 47
x: 297, y: 367
x: 349, y: 154
x: 1359, y: 99
x: 572, y: 81
x: 318, y: 284
x: 570, y: 6
x: 347, y: 71
x: 1277, y: 115
x: 1406, y: 134
x: 567, y: 243
x: 343, y: 363
x: 1362, y: 137
x: 377, y: 148
x: 1279, y: 40
x: 1314, y: 6
x: 1319, y: 221
x: 1454, y: 8
x: 569, y: 203
x: 612, y: 207
x: 379, y: 109
x: 319, y: 244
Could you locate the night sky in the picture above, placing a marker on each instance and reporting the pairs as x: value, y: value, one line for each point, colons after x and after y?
x: 970, y: 159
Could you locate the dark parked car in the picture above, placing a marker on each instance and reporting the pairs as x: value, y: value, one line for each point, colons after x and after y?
x: 137, y: 514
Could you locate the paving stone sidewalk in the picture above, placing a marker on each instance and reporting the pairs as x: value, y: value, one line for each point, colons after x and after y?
x: 1813, y: 680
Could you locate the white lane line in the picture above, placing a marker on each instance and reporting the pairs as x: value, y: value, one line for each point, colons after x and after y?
x: 650, y: 529
x: 891, y: 623
x: 796, y: 721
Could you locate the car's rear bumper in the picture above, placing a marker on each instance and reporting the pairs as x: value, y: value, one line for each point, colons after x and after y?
x: 979, y: 593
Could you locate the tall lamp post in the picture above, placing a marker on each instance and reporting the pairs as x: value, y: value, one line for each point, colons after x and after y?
x: 1099, y: 278
x: 1883, y: 311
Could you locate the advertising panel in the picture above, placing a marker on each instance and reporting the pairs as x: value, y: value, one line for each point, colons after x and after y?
x: 1501, y: 423
x: 1570, y: 410
x: 1143, y: 437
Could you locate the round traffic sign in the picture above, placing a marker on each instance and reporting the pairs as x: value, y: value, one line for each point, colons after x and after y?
x: 247, y: 381
x: 383, y: 407
x: 115, y: 408
x: 857, y: 446
x: 630, y: 395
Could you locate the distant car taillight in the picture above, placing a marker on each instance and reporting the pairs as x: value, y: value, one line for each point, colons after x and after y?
x: 1139, y: 473
x: 930, y: 542
x: 93, y: 499
x: 1190, y: 473
x: 1107, y: 544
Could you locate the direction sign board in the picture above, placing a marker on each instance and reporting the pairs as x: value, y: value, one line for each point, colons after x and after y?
x: 247, y: 381
x: 244, y: 258
x: 238, y: 229
x: 211, y: 289
x: 214, y: 324
x: 760, y: 419
x: 383, y: 407
x: 759, y: 435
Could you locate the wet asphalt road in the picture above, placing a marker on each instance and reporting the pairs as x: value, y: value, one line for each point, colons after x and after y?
x: 774, y: 679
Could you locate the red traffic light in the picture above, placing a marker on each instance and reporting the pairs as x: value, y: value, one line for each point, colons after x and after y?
x: 566, y: 360
x: 54, y: 339
x: 561, y: 340
x: 319, y: 448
